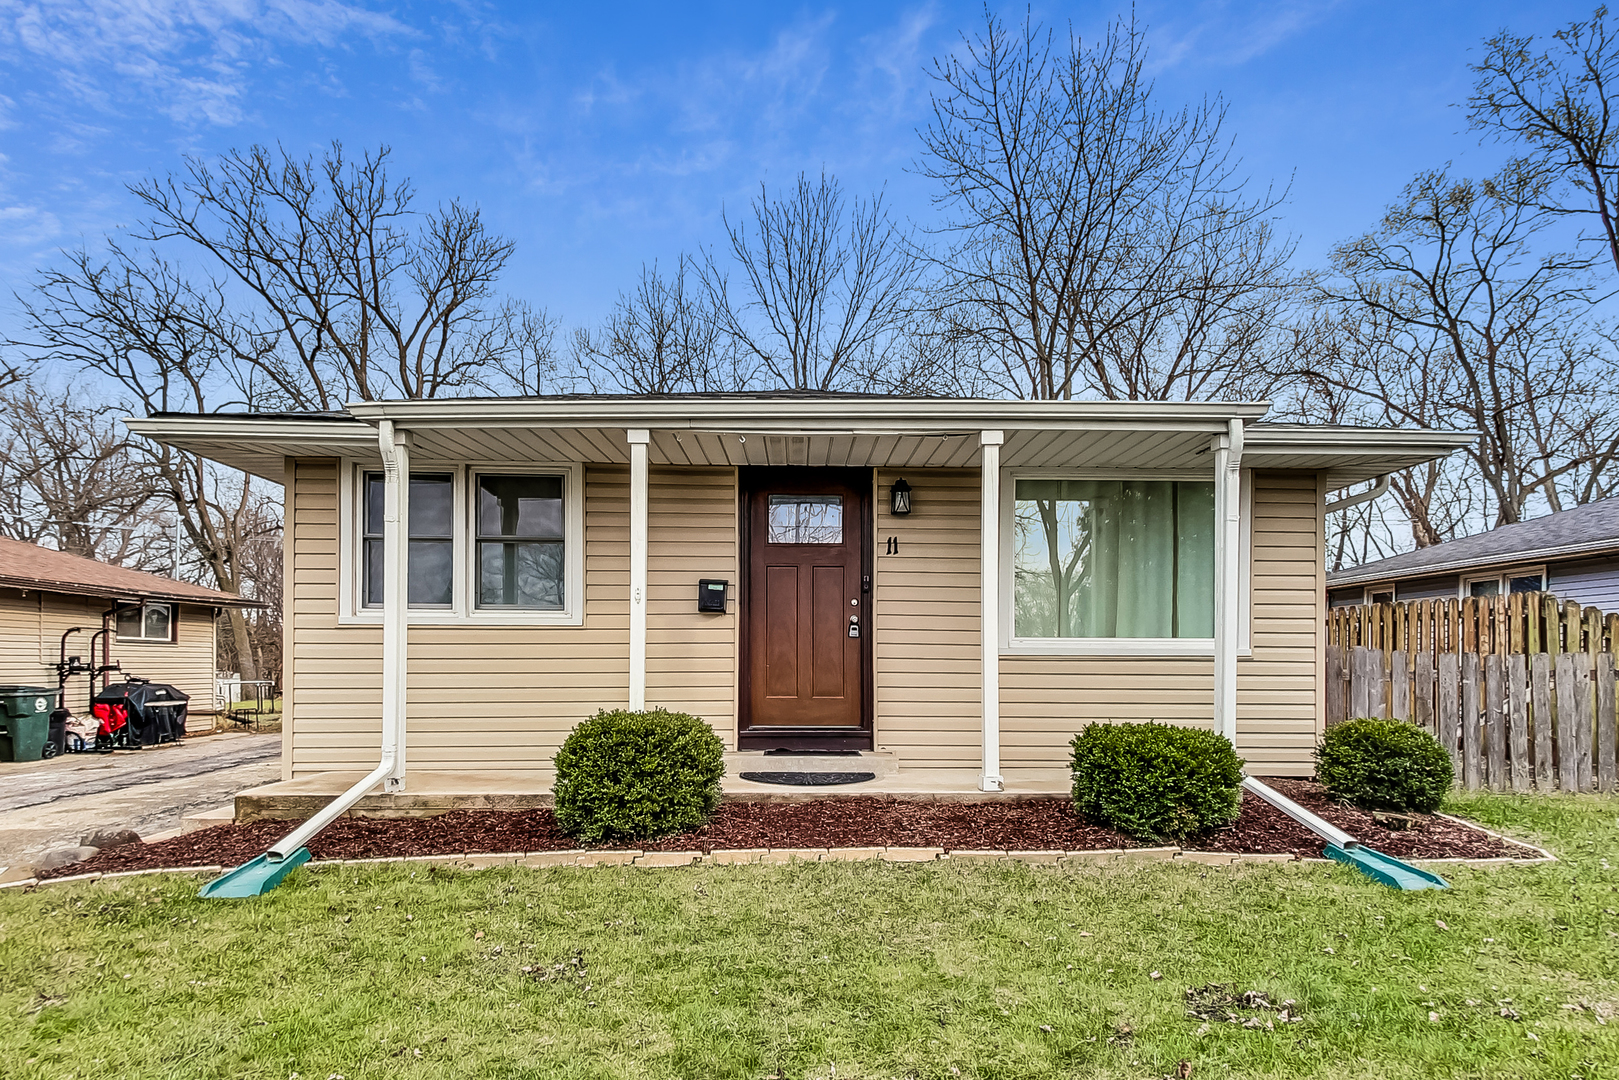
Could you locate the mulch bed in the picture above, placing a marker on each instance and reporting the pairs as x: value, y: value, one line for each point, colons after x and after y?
x: 845, y: 821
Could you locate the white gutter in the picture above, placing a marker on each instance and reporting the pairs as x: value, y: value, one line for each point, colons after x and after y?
x: 395, y: 446
x: 1380, y: 488
x: 1314, y: 822
x: 770, y: 414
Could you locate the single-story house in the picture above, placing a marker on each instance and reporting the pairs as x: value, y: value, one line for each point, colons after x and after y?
x: 155, y: 627
x: 1574, y: 554
x: 960, y: 584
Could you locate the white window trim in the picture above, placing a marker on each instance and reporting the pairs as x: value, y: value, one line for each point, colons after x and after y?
x: 174, y: 626
x: 1501, y: 579
x: 1126, y: 647
x: 1369, y: 591
x: 464, y: 610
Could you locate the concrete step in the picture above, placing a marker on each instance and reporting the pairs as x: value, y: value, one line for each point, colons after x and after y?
x: 881, y: 762
x: 205, y: 819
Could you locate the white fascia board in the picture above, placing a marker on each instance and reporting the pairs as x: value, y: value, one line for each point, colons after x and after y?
x: 818, y: 416
x: 203, y: 426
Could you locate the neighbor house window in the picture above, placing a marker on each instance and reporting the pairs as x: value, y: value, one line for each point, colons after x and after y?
x: 146, y: 622
x: 1112, y: 559
x: 520, y: 556
x: 1520, y: 580
x: 432, y: 540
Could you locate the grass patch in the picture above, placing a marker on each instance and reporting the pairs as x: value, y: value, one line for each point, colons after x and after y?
x: 929, y: 971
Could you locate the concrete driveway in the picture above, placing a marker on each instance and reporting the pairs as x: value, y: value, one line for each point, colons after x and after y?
x: 52, y: 804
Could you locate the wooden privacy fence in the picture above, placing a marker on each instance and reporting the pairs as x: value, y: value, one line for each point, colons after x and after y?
x: 1522, y: 623
x: 1540, y: 721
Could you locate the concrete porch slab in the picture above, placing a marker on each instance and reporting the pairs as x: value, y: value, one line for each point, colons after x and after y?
x: 429, y: 793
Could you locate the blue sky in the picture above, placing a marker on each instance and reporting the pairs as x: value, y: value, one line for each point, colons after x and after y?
x: 598, y: 137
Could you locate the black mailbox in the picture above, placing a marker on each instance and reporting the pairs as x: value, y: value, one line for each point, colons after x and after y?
x: 711, y: 594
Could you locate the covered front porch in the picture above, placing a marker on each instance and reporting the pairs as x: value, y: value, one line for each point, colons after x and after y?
x: 954, y: 703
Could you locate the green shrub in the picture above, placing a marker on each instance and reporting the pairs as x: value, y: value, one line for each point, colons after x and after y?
x: 1384, y: 765
x: 1156, y: 781
x: 637, y: 775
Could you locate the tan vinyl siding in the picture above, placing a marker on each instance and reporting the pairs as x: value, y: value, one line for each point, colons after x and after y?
x: 691, y: 659
x: 1279, y: 708
x: 927, y: 649
x: 31, y: 628
x: 505, y: 696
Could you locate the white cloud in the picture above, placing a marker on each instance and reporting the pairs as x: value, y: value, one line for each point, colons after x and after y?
x: 1209, y: 32
x: 27, y: 225
x: 194, y: 57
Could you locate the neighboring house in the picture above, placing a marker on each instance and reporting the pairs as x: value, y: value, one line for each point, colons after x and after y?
x: 1574, y: 554
x: 740, y: 557
x: 158, y: 628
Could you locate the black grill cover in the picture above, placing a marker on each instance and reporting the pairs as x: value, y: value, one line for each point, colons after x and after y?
x: 157, y: 711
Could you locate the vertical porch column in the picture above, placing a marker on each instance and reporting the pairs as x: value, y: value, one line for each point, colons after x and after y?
x: 989, y: 545
x: 638, y: 438
x: 1227, y: 575
x: 395, y: 448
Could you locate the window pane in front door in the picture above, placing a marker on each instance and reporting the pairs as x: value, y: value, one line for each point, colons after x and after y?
x: 806, y: 519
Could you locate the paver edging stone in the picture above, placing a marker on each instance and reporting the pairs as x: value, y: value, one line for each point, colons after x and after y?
x: 780, y: 856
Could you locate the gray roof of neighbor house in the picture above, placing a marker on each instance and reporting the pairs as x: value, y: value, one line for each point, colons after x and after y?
x: 1584, y: 530
x: 29, y: 566
x: 802, y: 428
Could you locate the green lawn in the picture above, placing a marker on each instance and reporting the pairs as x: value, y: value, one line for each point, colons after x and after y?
x: 869, y: 969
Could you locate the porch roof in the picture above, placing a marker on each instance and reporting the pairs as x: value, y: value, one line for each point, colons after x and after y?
x: 802, y: 429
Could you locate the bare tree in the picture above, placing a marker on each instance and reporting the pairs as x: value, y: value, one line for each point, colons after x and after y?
x: 69, y: 480
x: 662, y: 338
x: 331, y: 285
x: 263, y: 281
x: 1557, y: 105
x: 1443, y: 317
x: 164, y: 344
x: 1096, y: 244
x: 825, y: 286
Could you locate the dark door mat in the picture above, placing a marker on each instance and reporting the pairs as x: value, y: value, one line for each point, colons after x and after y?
x: 808, y: 779
x: 783, y: 752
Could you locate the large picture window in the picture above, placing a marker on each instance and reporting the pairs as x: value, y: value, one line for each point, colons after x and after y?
x: 1112, y: 559
x: 432, y: 540
x: 520, y: 557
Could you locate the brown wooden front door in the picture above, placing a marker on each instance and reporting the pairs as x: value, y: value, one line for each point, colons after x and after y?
x: 806, y: 677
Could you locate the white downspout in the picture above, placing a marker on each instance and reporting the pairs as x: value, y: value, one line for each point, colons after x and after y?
x: 390, y: 771
x: 1227, y: 576
x: 989, y: 513
x: 1378, y: 489
x: 638, y: 438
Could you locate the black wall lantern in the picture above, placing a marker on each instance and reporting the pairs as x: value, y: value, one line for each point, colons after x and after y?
x: 900, y: 498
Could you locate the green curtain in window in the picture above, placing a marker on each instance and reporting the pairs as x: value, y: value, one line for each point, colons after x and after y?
x: 1113, y: 558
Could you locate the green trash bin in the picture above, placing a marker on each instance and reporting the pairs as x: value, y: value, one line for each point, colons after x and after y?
x: 25, y: 721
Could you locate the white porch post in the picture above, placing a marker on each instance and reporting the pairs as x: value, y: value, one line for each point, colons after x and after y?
x: 1227, y: 575
x: 638, y: 438
x: 395, y: 447
x: 990, y: 606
